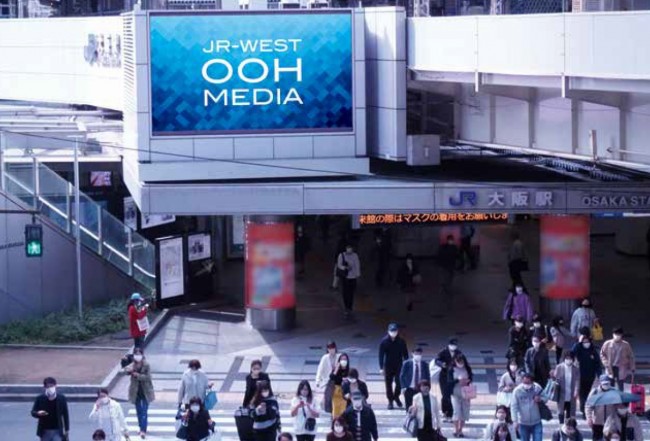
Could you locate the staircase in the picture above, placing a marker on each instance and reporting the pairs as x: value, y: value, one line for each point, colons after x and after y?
x: 39, y: 188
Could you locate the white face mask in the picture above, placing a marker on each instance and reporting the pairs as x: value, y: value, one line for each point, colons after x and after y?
x: 621, y: 412
x: 618, y: 337
x: 513, y: 368
x: 357, y: 404
x: 338, y: 428
x: 331, y: 351
x: 586, y: 345
x: 605, y: 386
x: 615, y: 439
x: 536, y: 344
x: 137, y: 358
x: 266, y: 394
x: 195, y: 408
x: 528, y: 386
x: 519, y: 324
x: 392, y: 334
x: 417, y: 358
x: 50, y: 391
x: 352, y: 380
x: 104, y: 400
x: 568, y: 363
x: 519, y: 290
x: 344, y: 363
x: 452, y: 348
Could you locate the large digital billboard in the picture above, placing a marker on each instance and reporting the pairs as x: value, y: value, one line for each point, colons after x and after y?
x: 219, y: 73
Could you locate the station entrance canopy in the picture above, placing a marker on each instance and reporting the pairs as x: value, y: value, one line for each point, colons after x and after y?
x: 393, y: 196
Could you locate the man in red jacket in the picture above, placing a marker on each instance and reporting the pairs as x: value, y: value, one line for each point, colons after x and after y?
x: 138, y: 322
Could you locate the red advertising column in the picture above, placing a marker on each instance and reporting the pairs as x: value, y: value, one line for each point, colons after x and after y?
x: 269, y: 273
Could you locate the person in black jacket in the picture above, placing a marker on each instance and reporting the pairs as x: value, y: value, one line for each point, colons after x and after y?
x: 360, y: 419
x: 518, y: 341
x: 51, y: 410
x: 444, y: 361
x: 265, y: 413
x: 198, y: 421
x: 352, y: 384
x: 587, y: 355
x: 537, y: 364
x: 392, y: 353
x: 252, y: 379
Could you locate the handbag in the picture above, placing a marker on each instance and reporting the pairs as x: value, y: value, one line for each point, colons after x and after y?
x: 597, y: 332
x: 544, y: 412
x: 552, y: 391
x: 182, y: 432
x: 504, y: 398
x: 211, y: 399
x: 310, y: 423
x: 410, y: 425
x: 340, y: 272
x: 468, y: 392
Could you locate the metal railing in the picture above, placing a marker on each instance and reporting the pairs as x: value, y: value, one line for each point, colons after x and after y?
x: 40, y: 188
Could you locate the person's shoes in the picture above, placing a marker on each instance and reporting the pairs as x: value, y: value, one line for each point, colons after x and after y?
x: 390, y: 405
x: 447, y: 420
x: 461, y: 435
x: 399, y: 403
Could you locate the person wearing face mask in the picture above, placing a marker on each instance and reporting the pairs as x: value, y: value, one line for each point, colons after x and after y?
x: 339, y: 431
x: 198, y: 421
x: 459, y: 376
x: 625, y: 423
x: 567, y: 376
x: 305, y: 411
x: 617, y: 357
x: 392, y: 354
x: 408, y: 279
x: 141, y: 391
x: 568, y: 432
x: 588, y: 357
x: 500, y: 420
x: 525, y: 409
x: 138, y: 323
x: 503, y: 432
x: 507, y: 383
x: 518, y: 305
x: 348, y: 270
x: 448, y: 256
x: 583, y: 317
x: 194, y: 383
x: 538, y: 329
x: 352, y: 384
x: 518, y: 341
x: 597, y: 415
x: 444, y: 361
x: 425, y: 410
x: 256, y: 375
x: 361, y: 420
x: 341, y: 371
x: 107, y: 415
x: 536, y: 362
x: 265, y: 413
x: 51, y: 410
x: 560, y: 337
x: 325, y: 368
x: 413, y: 372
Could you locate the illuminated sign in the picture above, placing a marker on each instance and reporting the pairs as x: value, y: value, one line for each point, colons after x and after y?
x: 251, y: 72
x: 429, y: 218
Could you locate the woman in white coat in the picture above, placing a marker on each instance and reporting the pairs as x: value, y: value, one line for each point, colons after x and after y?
x: 325, y: 368
x: 425, y: 410
x: 194, y: 383
x: 108, y: 416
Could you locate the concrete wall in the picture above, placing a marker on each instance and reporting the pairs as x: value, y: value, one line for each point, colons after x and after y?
x: 42, y: 59
x: 33, y: 287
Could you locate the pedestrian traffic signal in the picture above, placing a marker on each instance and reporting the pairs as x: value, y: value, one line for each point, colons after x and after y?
x: 34, y: 240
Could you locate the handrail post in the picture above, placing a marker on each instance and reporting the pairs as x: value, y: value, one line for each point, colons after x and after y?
x: 130, y: 250
x: 68, y: 209
x: 100, y: 236
x: 2, y: 160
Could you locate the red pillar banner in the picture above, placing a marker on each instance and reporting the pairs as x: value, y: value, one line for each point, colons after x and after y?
x: 269, y: 266
x: 565, y: 257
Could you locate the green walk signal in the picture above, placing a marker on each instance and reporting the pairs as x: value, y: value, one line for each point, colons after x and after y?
x: 34, y: 240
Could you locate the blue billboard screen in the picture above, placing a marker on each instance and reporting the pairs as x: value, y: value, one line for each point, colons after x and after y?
x: 251, y: 72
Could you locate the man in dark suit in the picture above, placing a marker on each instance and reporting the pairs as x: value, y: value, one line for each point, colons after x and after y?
x: 444, y: 360
x: 361, y: 420
x: 413, y: 371
x: 51, y: 410
x: 392, y: 353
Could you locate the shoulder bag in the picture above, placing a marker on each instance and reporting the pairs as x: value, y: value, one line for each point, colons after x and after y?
x: 211, y: 399
x: 468, y: 392
x: 544, y: 412
x: 410, y: 425
x: 310, y: 423
x: 342, y: 273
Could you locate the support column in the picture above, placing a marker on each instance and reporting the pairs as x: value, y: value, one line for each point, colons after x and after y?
x: 270, y: 273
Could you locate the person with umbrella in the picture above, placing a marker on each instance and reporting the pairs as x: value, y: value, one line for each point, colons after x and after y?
x: 602, y: 403
x: 625, y: 423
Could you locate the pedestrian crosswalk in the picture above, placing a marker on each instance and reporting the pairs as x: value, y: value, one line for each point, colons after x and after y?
x: 162, y: 424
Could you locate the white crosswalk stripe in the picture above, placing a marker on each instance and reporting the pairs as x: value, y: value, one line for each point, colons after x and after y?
x: 162, y: 424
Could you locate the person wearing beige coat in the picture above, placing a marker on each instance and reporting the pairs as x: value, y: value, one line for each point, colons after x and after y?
x: 614, y: 423
x: 618, y: 358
